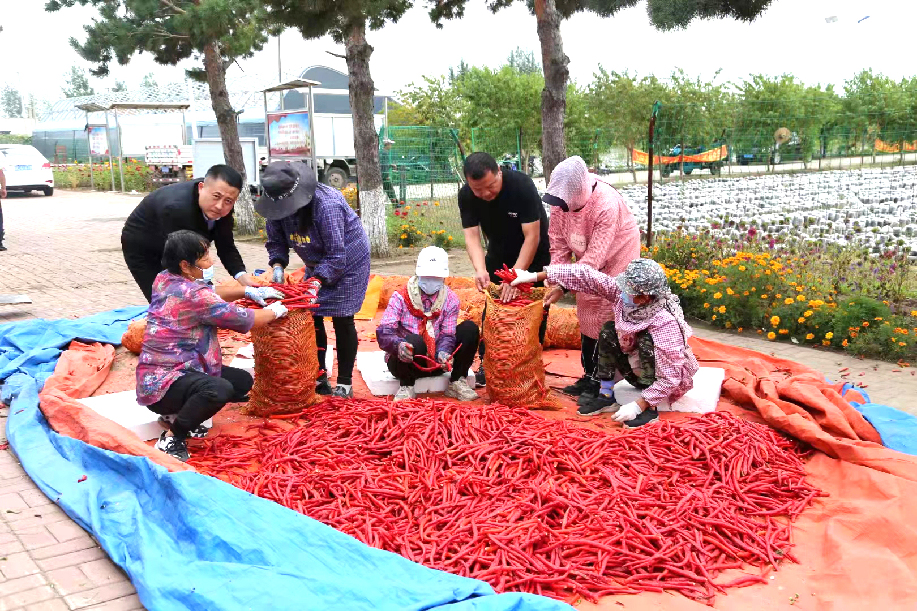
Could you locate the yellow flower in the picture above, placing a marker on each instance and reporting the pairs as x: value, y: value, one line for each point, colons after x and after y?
x: 878, y: 318
x: 728, y: 325
x: 741, y: 268
x: 865, y: 324
x: 825, y: 342
x: 713, y: 317
x: 771, y: 336
x: 753, y: 289
x: 913, y: 312
x: 435, y: 203
x: 784, y: 332
x: 717, y: 295
x: 844, y: 343
x: 745, y: 293
x: 706, y: 306
x: 800, y: 297
x: 775, y: 320
x: 810, y: 336
x: 407, y: 208
x: 722, y: 309
x: 401, y: 246
x: 808, y: 313
x: 419, y: 232
x: 788, y: 301
x: 778, y: 295
x: 801, y: 320
x: 449, y: 238
x: 764, y: 296
x: 902, y: 344
x: 729, y: 291
x: 829, y: 335
x: 404, y: 236
x: 740, y: 329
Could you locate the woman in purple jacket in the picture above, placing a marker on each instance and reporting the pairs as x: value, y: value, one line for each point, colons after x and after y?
x: 316, y: 221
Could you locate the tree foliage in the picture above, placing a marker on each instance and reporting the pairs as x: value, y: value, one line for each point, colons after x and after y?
x: 77, y: 84
x: 11, y: 102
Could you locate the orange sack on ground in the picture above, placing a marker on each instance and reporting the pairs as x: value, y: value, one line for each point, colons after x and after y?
x: 563, y: 329
x: 512, y: 358
x: 390, y: 284
x: 133, y: 337
x: 286, y: 366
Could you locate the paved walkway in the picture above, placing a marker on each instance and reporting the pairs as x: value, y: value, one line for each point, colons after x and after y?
x: 65, y: 253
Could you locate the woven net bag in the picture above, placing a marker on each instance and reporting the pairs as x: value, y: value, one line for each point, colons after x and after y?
x: 512, y: 359
x: 286, y: 366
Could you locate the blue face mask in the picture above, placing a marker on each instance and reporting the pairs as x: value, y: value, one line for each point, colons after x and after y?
x: 628, y: 299
x: 430, y: 286
x: 208, y: 274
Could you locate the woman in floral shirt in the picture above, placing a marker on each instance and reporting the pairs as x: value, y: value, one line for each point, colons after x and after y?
x: 180, y: 374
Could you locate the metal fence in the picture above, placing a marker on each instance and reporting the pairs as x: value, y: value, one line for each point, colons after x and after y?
x: 421, y: 174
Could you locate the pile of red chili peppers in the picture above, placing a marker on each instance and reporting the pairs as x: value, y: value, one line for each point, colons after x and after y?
x: 299, y: 296
x: 529, y: 504
x: 507, y: 275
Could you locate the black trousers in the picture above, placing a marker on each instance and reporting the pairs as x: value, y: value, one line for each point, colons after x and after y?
x: 345, y: 332
x: 144, y: 267
x: 196, y: 397
x: 1, y: 224
x: 588, y: 355
x: 466, y: 334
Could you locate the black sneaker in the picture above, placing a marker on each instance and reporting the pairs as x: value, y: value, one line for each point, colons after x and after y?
x: 585, y: 385
x: 322, y: 387
x: 173, y: 446
x: 167, y: 420
x: 2, y: 247
x: 480, y: 380
x: 598, y: 405
x: 342, y: 392
x: 645, y: 417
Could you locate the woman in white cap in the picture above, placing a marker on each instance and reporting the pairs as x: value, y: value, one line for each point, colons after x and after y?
x: 591, y: 221
x: 419, y: 327
x: 316, y: 221
x: 645, y: 341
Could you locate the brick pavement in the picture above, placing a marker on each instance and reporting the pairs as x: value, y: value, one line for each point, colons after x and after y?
x: 65, y: 253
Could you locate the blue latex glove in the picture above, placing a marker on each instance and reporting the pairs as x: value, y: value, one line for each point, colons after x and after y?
x: 278, y: 274
x: 259, y: 294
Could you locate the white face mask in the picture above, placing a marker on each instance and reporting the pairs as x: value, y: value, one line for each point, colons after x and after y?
x: 208, y: 274
x: 430, y: 285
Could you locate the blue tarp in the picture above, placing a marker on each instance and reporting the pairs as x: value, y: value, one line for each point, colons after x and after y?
x: 897, y: 429
x: 192, y: 542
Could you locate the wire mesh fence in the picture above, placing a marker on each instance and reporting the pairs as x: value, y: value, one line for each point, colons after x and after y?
x: 421, y: 174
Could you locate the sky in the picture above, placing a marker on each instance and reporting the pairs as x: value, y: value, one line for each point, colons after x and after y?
x: 791, y: 36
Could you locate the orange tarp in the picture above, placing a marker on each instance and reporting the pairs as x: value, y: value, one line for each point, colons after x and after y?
x: 709, y: 156
x: 857, y: 547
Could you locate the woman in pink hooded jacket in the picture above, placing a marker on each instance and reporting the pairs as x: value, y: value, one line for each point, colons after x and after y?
x: 589, y: 221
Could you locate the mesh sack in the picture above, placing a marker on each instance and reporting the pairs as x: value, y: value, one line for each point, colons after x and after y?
x: 563, y: 329
x: 133, y: 337
x: 471, y: 304
x: 390, y: 284
x: 512, y: 360
x: 286, y: 366
x: 460, y: 282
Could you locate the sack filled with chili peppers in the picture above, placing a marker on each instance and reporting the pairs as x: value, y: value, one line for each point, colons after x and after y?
x: 286, y: 362
x: 563, y: 329
x: 512, y: 358
x: 133, y: 337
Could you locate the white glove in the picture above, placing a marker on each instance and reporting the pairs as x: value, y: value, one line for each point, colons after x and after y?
x: 278, y: 274
x: 405, y: 352
x: 524, y: 277
x: 278, y: 309
x: 259, y: 294
x: 627, y: 412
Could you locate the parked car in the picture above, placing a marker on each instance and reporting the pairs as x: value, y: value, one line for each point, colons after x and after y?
x: 26, y: 169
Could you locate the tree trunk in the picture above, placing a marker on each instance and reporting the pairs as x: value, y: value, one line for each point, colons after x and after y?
x: 373, y: 200
x: 244, y: 211
x: 554, y: 94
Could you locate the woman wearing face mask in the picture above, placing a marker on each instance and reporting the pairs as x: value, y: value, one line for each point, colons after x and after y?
x: 591, y: 221
x: 316, y: 221
x: 644, y: 342
x: 420, y: 321
x: 180, y: 375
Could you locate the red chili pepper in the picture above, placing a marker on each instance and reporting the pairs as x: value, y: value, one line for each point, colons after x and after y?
x: 507, y: 275
x: 530, y: 504
x: 82, y: 479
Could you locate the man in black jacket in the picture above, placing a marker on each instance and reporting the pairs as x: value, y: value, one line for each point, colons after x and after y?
x: 203, y: 206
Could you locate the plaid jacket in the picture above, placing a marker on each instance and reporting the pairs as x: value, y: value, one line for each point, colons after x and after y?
x: 675, y: 361
x: 398, y: 322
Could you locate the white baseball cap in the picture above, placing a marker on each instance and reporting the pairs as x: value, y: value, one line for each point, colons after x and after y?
x: 434, y: 262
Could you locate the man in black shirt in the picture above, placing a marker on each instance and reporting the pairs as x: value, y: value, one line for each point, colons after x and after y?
x: 506, y: 207
x: 203, y: 206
